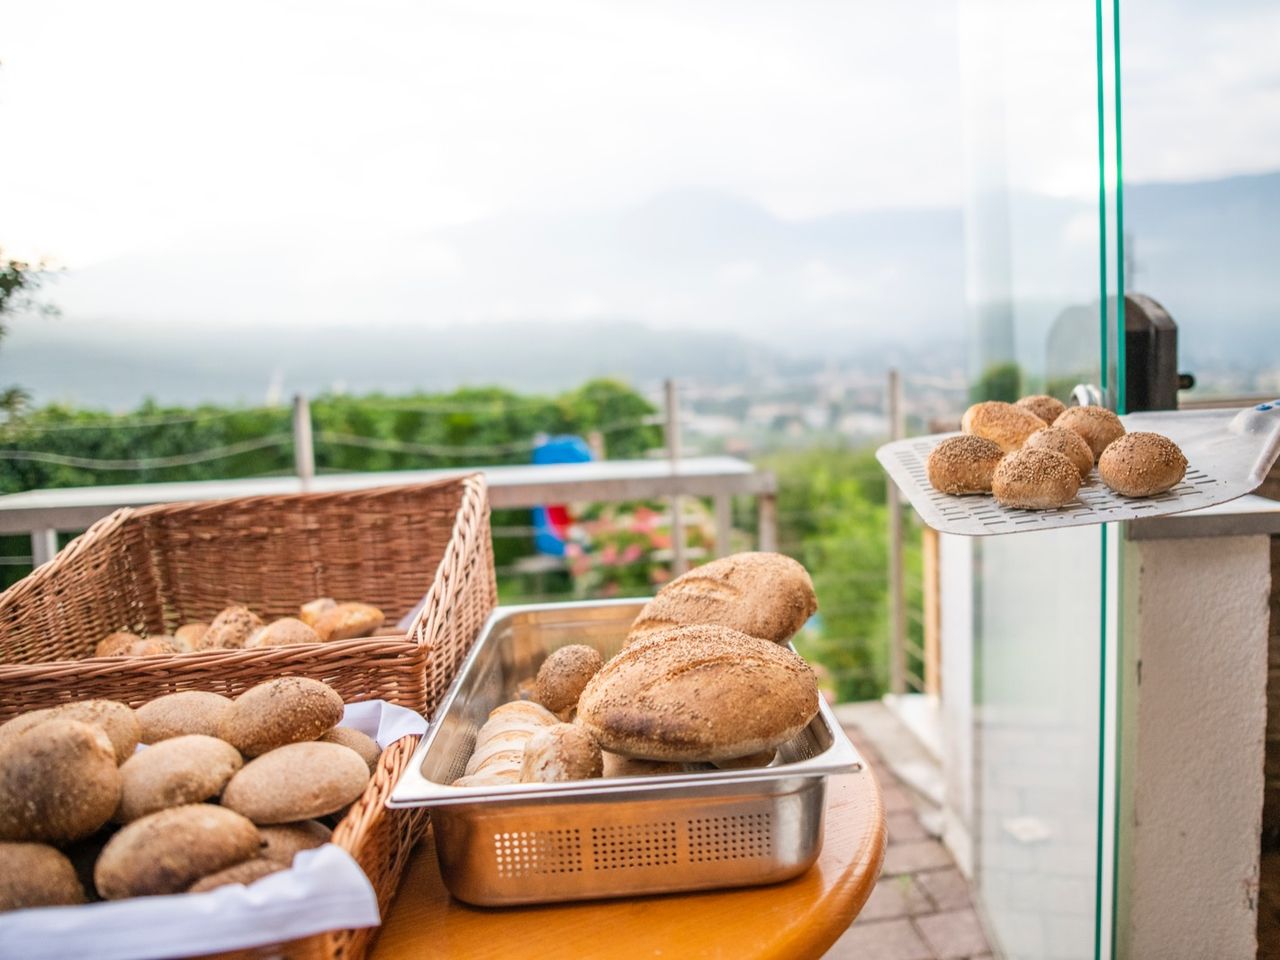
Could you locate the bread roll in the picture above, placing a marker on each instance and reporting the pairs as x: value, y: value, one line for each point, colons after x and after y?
x: 178, y: 714
x: 244, y: 873
x: 284, y: 841
x: 58, y: 782
x: 309, y: 613
x: 168, y: 851
x: 151, y: 647
x: 361, y: 743
x: 560, y: 753
x: 281, y: 633
x: 188, y: 635
x: 1066, y: 442
x: 1045, y: 407
x: 348, y: 620
x: 1142, y: 465
x: 1002, y: 423
x: 963, y: 464
x: 298, y: 781
x: 699, y: 693
x: 1097, y: 425
x: 499, y: 747
x: 116, y: 720
x: 763, y: 595
x: 173, y: 773
x: 1035, y: 480
x: 563, y: 675
x: 114, y: 644
x: 616, y: 765
x: 36, y: 875
x: 280, y: 711
x: 230, y: 629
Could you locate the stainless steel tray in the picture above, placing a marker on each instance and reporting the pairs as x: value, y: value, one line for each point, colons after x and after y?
x: 1228, y: 454
x: 591, y: 839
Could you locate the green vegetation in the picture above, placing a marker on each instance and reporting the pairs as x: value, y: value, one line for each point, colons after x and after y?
x: 1000, y: 381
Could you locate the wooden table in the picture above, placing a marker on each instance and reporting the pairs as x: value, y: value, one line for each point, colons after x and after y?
x: 788, y: 921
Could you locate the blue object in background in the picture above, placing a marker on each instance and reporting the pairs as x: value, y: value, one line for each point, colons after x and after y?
x: 551, y: 523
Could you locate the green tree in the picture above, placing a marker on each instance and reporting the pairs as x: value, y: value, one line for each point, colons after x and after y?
x: 1000, y: 381
x: 19, y: 281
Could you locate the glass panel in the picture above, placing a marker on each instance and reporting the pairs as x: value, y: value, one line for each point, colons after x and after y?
x: 1041, y: 292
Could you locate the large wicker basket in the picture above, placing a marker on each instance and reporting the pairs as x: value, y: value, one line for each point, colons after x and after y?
x: 151, y: 569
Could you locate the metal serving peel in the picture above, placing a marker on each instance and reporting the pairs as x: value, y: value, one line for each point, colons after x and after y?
x: 1229, y: 453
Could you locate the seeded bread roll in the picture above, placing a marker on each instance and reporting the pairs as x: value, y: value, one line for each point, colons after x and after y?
x: 284, y: 841
x: 963, y: 464
x: 1035, y: 480
x: 116, y: 720
x: 298, y: 781
x: 188, y: 635
x: 698, y: 693
x: 173, y: 773
x: 560, y: 753
x: 763, y: 595
x: 36, y: 875
x: 361, y: 743
x: 159, y: 645
x: 309, y: 613
x: 282, y: 633
x: 348, y: 620
x: 168, y: 851
x: 280, y: 711
x: 244, y: 873
x: 1097, y: 425
x: 178, y: 714
x: 114, y: 644
x: 563, y: 675
x: 1045, y: 407
x: 230, y: 629
x: 1066, y: 442
x: 58, y: 782
x: 1002, y: 423
x: 1142, y: 465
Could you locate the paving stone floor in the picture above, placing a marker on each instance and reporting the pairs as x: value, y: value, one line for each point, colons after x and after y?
x: 921, y: 908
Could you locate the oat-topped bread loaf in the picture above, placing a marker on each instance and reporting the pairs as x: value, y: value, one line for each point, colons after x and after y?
x: 698, y: 693
x: 761, y: 594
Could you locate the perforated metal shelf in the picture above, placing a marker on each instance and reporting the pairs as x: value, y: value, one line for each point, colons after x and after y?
x: 1229, y: 454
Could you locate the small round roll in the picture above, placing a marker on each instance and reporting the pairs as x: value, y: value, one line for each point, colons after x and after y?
x: 560, y: 753
x: 1097, y: 425
x: 1045, y: 407
x: 1003, y: 423
x: 1066, y: 442
x: 1035, y: 480
x: 1142, y: 465
x: 963, y: 464
x: 563, y: 675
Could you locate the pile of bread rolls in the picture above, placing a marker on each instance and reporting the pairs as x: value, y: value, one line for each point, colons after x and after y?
x: 1035, y: 454
x: 226, y: 792
x: 704, y: 681
x: 236, y: 627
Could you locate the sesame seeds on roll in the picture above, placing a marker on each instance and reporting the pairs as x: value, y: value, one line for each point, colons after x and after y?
x: 1034, y: 479
x: 1142, y: 465
x: 963, y: 464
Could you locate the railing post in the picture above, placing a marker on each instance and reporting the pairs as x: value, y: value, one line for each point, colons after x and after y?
x: 723, y: 504
x: 304, y: 457
x: 44, y: 546
x: 767, y: 521
x: 897, y: 606
x: 680, y: 562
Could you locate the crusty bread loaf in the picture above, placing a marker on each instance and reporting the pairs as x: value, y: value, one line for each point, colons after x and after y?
x: 178, y: 714
x: 114, y: 644
x: 284, y: 841
x: 1035, y: 480
x: 1097, y: 425
x: 188, y: 635
x: 616, y: 765
x: 348, y: 620
x: 560, y: 753
x: 168, y: 851
x: 765, y: 595
x: 280, y: 711
x: 499, y: 748
x: 563, y: 675
x: 963, y: 464
x: 361, y: 743
x: 297, y: 782
x: 699, y: 693
x: 309, y: 613
x: 1142, y: 465
x: 116, y: 720
x: 282, y: 633
x: 1002, y: 423
x: 173, y: 773
x: 36, y: 875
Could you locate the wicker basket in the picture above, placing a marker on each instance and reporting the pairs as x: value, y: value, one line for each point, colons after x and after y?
x: 151, y: 569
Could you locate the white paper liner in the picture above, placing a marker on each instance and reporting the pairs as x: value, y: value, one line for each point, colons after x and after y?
x: 324, y: 890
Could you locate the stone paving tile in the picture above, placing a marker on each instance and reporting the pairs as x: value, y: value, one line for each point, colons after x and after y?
x: 896, y: 897
x: 915, y: 856
x: 885, y: 940
x: 904, y: 826
x: 954, y: 935
x: 947, y: 888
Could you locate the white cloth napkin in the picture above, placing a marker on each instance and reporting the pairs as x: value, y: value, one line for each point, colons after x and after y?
x: 324, y: 890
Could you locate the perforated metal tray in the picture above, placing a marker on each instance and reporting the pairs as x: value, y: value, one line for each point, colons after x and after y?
x: 591, y: 839
x: 1229, y: 454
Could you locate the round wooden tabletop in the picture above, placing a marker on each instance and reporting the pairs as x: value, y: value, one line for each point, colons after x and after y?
x: 793, y: 920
